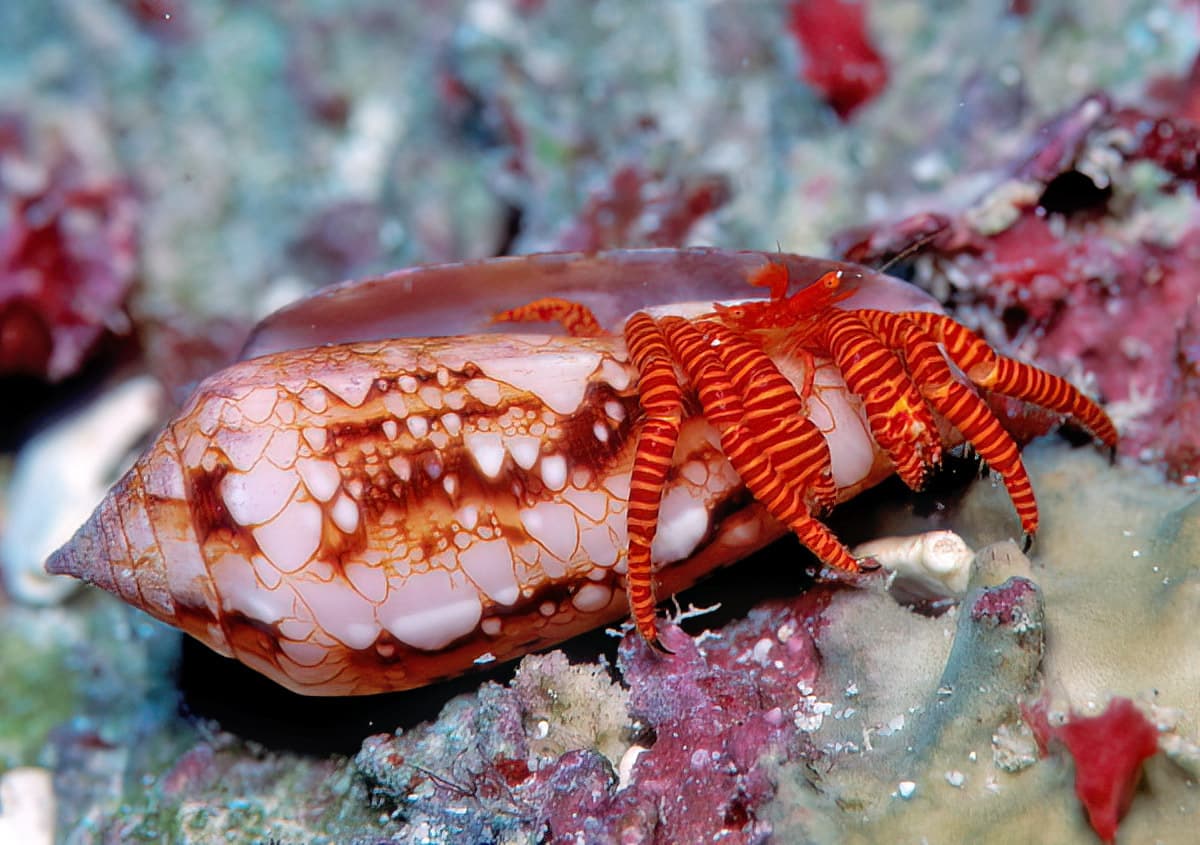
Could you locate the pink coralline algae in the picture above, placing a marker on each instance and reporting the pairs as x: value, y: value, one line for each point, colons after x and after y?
x: 1108, y: 751
x: 715, y: 716
x: 840, y: 61
x: 1088, y: 257
x: 1006, y: 604
x: 67, y: 251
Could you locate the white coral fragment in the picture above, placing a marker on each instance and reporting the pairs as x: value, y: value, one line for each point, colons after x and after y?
x: 932, y: 565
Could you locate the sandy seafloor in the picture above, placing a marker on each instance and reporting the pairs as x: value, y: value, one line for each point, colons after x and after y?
x: 271, y: 148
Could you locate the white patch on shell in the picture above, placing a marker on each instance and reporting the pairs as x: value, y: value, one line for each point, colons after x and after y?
x: 682, y: 524
x: 487, y: 451
x: 322, y: 478
x: 315, y: 399
x: 554, y: 471
x: 467, y: 516
x: 599, y: 543
x: 592, y: 504
x: 402, y: 466
x: 316, y: 437
x: 258, y: 404
x: 351, y: 382
x: 524, y: 449
x: 345, y: 514
x: 562, y: 390
x: 283, y: 448
x: 243, y: 447
x: 290, y: 539
x: 490, y: 565
x: 430, y: 610
x: 369, y: 580
x: 431, y: 395
x: 553, y: 525
x: 616, y: 374
x: 255, y: 496
x: 851, y: 446
x: 395, y: 404
x: 236, y: 582
x: 418, y: 427
x: 592, y: 597
x: 485, y: 390
x: 340, y: 610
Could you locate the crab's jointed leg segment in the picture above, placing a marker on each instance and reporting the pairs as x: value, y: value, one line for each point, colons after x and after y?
x: 899, y: 418
x: 961, y: 406
x: 577, y: 319
x: 751, y: 457
x: 662, y: 401
x: 993, y: 371
x: 777, y: 414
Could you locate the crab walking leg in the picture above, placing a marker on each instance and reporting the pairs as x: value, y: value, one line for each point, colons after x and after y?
x: 993, y: 371
x: 750, y: 456
x: 576, y: 318
x: 662, y: 400
x: 961, y: 406
x: 776, y: 413
x: 900, y: 420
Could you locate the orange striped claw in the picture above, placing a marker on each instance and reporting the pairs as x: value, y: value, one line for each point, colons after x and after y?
x: 387, y: 492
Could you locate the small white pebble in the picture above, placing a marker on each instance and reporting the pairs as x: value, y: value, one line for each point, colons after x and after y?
x: 762, y: 649
x: 626, y: 764
x: 27, y: 806
x: 955, y: 778
x: 905, y: 789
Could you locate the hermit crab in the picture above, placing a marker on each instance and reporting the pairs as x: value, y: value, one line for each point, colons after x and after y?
x: 400, y: 481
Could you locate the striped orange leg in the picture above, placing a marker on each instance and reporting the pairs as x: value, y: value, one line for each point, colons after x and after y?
x: 776, y: 414
x: 750, y: 456
x: 577, y: 319
x: 898, y: 416
x: 1009, y: 377
x: 662, y: 402
x: 961, y: 406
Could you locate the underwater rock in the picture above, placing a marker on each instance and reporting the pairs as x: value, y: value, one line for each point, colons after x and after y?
x: 936, y: 745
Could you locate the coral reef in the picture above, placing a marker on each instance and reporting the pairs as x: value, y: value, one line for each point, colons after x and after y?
x: 68, y: 228
x: 1086, y: 257
x: 844, y: 716
x: 277, y: 148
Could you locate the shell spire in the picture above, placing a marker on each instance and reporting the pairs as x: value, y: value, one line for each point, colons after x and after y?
x: 139, y: 545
